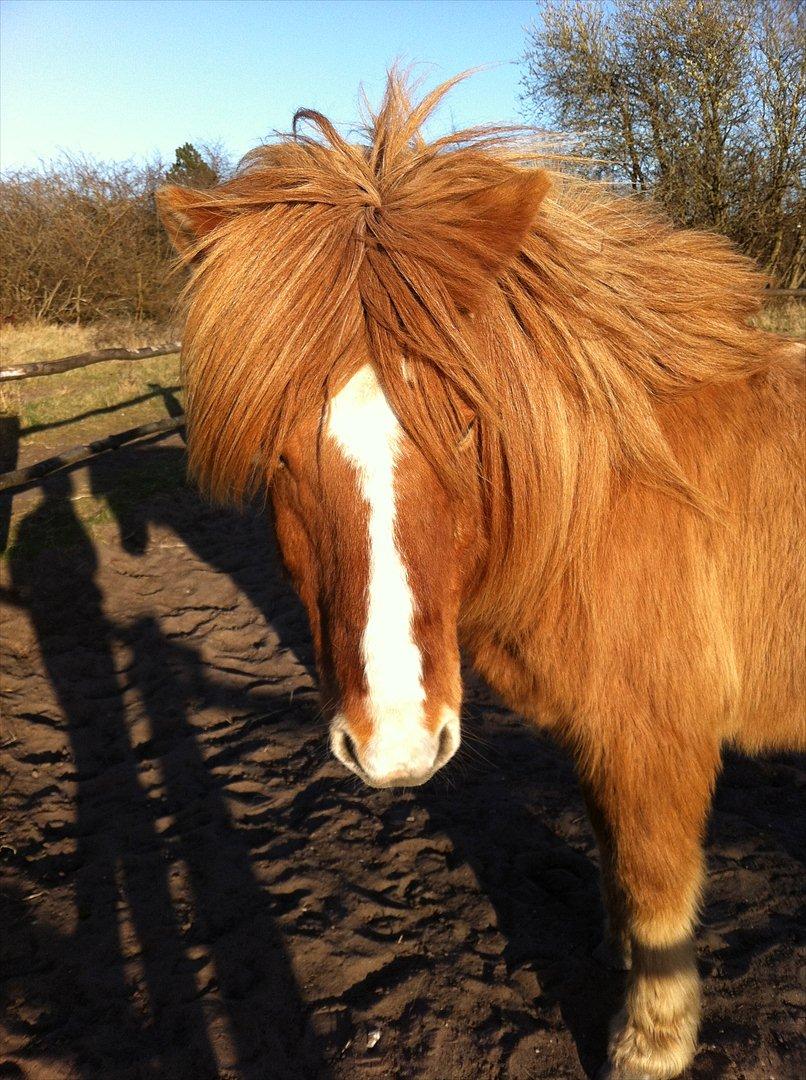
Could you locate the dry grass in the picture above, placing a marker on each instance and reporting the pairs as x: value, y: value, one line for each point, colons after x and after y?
x: 63, y: 410
x: 785, y: 316
x: 30, y: 341
x: 38, y: 340
x: 42, y: 416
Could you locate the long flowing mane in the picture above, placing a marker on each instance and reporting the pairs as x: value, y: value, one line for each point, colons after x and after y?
x: 560, y: 314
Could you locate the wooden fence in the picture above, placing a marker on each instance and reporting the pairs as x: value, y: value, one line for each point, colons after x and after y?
x: 68, y: 363
x: 20, y: 477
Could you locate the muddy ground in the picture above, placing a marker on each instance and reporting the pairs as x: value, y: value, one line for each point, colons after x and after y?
x: 192, y: 888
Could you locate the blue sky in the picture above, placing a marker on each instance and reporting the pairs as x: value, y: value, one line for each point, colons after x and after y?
x: 119, y: 79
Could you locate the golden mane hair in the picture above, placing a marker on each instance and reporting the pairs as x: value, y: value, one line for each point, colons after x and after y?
x: 560, y: 314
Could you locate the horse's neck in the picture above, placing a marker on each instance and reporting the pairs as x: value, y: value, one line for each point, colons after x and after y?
x: 720, y: 435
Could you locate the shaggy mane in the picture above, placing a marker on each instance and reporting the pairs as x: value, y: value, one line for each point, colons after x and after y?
x: 563, y: 320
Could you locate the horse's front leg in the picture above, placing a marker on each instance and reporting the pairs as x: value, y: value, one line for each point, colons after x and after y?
x: 652, y: 801
x: 615, y: 951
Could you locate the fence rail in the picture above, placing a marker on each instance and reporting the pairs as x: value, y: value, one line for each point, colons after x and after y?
x: 20, y: 477
x: 68, y: 363
x: 40, y: 469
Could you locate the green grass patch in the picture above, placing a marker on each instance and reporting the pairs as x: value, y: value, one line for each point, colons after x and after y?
x: 47, y: 414
x: 88, y: 403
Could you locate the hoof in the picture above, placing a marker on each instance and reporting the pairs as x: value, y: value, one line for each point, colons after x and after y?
x: 607, y: 1073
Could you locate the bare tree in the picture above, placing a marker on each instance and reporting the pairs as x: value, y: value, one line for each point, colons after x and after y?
x: 701, y: 102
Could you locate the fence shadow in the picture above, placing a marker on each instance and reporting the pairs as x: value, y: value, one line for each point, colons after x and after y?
x: 9, y: 452
x: 167, y: 393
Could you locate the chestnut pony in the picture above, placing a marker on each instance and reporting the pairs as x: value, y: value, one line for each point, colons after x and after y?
x: 499, y: 408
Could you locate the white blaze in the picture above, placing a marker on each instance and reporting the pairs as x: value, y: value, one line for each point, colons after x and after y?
x: 367, y: 432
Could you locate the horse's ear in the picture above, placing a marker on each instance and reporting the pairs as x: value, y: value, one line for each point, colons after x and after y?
x: 187, y: 215
x: 476, y: 236
x: 501, y: 216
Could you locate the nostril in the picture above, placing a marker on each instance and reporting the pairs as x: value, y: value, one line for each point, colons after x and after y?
x: 348, y: 746
x: 445, y: 748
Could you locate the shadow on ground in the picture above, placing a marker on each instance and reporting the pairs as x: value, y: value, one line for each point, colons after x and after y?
x: 122, y: 859
x: 192, y: 864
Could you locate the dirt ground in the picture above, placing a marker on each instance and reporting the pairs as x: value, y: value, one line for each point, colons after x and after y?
x: 192, y: 888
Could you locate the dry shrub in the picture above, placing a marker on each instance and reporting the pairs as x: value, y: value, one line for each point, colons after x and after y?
x: 36, y: 339
x: 81, y: 240
x: 784, y: 316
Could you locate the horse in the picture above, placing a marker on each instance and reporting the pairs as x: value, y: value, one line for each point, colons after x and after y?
x: 498, y: 408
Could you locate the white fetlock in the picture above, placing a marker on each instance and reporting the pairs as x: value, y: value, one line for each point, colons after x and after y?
x: 653, y: 1053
